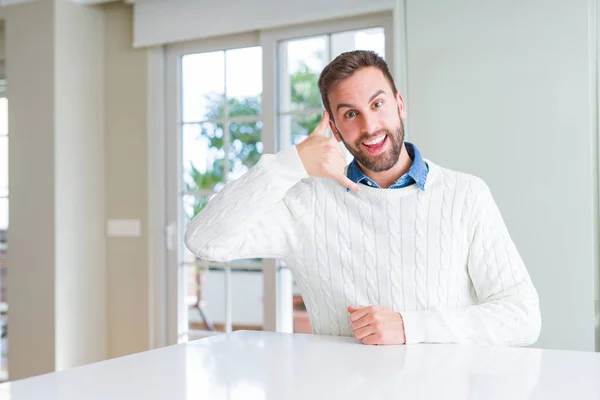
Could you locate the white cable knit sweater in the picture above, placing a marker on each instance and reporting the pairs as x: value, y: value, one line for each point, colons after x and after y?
x: 442, y: 256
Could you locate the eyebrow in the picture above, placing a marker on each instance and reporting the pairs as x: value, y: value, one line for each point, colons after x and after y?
x: 346, y: 105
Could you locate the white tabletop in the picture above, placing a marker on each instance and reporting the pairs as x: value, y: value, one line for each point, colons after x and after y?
x: 265, y: 365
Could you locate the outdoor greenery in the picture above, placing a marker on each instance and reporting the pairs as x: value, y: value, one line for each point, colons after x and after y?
x: 245, y: 147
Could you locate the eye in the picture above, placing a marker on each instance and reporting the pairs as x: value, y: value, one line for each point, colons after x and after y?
x: 351, y: 114
x: 378, y: 104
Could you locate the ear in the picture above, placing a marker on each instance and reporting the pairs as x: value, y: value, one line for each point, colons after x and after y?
x: 335, y: 131
x: 401, y: 105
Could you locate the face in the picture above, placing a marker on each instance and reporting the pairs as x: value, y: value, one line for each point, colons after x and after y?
x: 367, y: 117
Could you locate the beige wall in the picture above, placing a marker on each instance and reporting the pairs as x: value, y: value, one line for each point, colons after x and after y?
x: 79, y: 94
x: 2, y: 50
x: 29, y: 49
x: 126, y: 180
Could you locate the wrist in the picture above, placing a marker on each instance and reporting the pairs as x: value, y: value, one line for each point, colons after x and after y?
x: 403, y: 330
x: 290, y: 164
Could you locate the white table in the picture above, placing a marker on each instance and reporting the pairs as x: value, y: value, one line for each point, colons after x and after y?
x: 265, y: 365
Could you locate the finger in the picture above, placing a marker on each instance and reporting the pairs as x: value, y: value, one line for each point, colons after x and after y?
x: 372, y: 339
x: 352, y: 309
x: 355, y: 316
x: 344, y: 181
x: 368, y: 319
x: 362, y: 333
x: 322, y: 126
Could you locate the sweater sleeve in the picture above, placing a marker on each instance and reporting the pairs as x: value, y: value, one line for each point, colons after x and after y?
x: 253, y: 216
x: 508, y: 310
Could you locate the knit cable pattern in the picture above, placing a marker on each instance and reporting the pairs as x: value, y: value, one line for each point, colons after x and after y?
x: 394, y: 211
x: 369, y: 251
x: 323, y: 266
x: 345, y: 250
x: 421, y: 252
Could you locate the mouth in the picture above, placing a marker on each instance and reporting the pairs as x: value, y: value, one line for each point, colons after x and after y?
x: 375, y: 145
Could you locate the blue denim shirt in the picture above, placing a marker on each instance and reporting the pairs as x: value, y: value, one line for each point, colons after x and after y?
x: 416, y: 174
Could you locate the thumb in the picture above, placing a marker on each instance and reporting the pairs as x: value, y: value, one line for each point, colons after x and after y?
x: 322, y: 126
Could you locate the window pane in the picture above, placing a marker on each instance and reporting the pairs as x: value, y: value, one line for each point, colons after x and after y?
x: 301, y: 61
x: 297, y: 128
x: 192, y: 205
x: 203, y: 86
x: 209, y: 286
x: 364, y: 39
x: 244, y: 81
x: 3, y: 116
x: 3, y: 213
x: 203, y: 156
x: 3, y: 166
x: 245, y: 147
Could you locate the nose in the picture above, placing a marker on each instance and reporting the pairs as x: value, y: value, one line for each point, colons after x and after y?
x: 369, y: 123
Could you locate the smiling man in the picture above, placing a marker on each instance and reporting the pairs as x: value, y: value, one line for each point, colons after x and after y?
x: 391, y: 249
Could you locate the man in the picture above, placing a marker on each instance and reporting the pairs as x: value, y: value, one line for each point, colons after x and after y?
x: 393, y: 249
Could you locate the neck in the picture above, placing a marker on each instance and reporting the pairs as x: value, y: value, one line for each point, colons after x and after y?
x: 385, y: 179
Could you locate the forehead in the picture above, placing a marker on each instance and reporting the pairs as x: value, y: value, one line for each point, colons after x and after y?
x: 361, y: 85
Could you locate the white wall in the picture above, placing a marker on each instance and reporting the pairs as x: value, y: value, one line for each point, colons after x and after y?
x: 170, y: 21
x: 80, y: 188
x: 503, y: 90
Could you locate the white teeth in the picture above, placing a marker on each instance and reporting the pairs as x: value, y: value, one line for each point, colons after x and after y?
x: 379, y: 139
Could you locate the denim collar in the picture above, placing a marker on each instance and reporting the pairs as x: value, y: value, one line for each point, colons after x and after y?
x: 416, y: 174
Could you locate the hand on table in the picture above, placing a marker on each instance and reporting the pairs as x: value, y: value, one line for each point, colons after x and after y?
x: 377, y: 325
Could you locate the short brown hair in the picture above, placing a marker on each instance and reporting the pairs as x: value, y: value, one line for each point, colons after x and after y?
x: 345, y: 65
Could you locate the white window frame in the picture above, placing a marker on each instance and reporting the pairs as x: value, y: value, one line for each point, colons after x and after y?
x: 165, y: 93
x: 177, y: 319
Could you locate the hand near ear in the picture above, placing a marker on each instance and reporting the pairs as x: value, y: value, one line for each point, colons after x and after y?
x: 322, y: 156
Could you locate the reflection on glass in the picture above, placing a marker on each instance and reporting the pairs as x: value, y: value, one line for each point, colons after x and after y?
x: 203, y: 156
x: 244, y: 81
x: 203, y: 85
x: 301, y: 62
x: 245, y: 147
